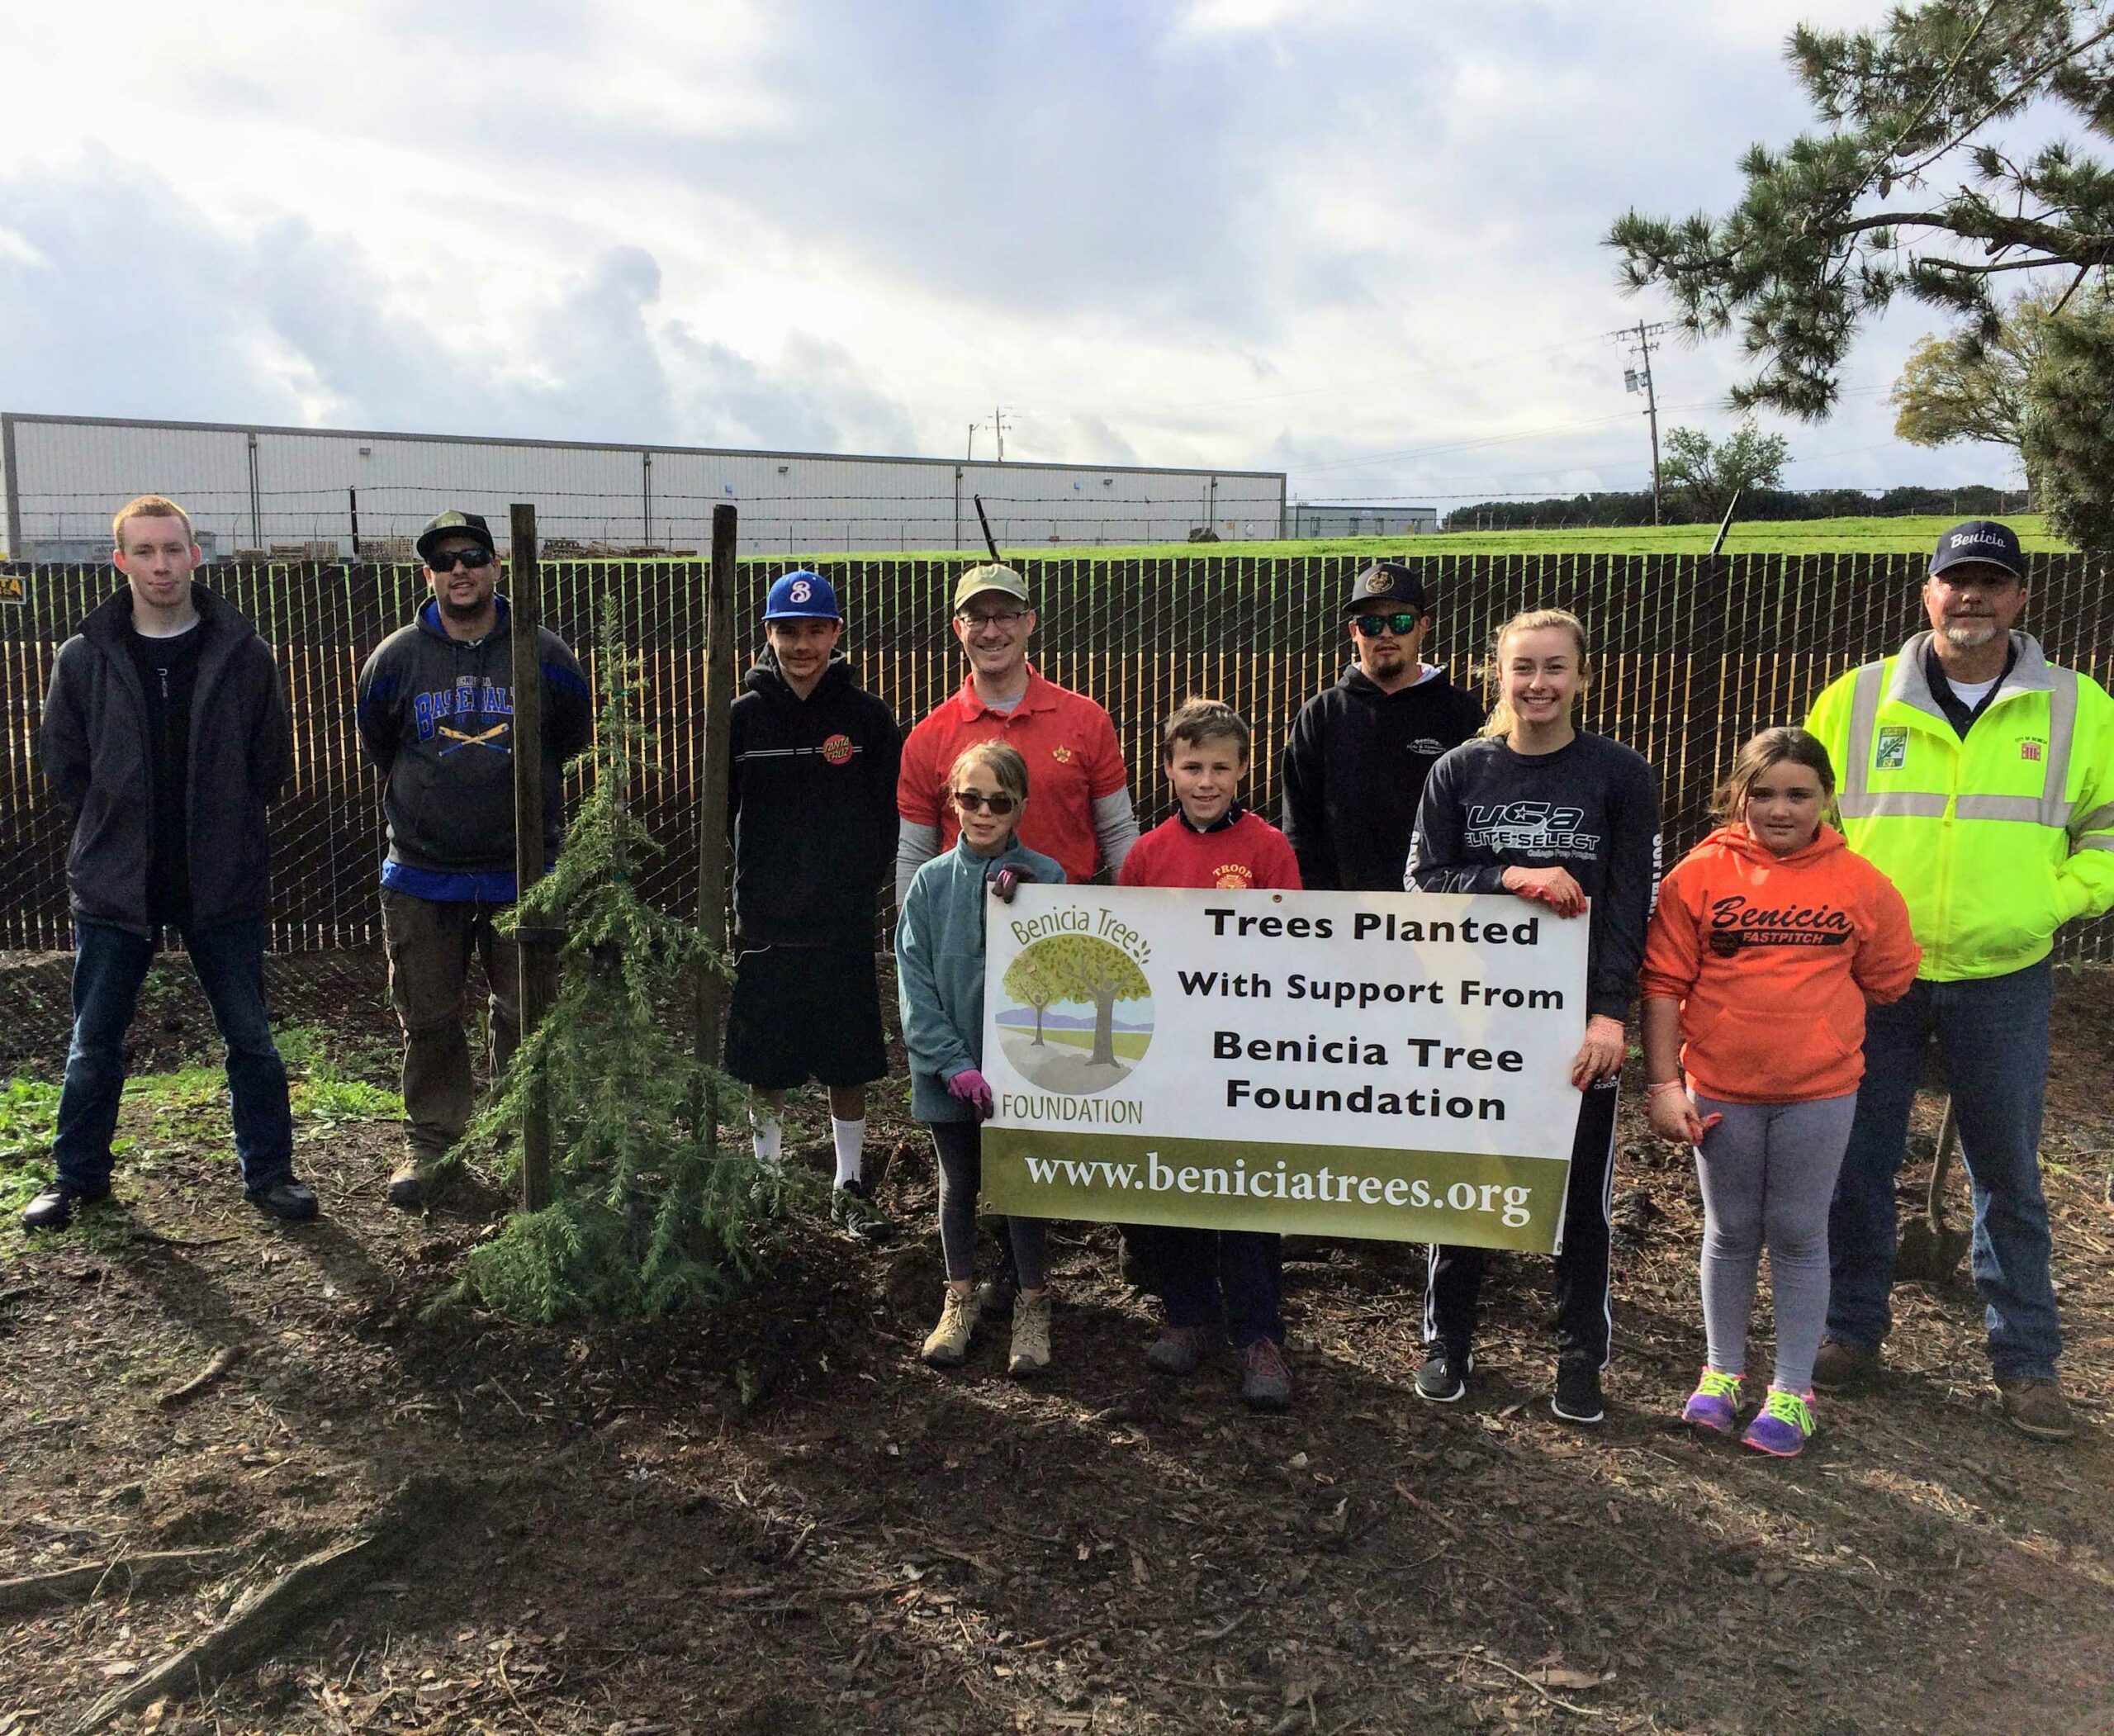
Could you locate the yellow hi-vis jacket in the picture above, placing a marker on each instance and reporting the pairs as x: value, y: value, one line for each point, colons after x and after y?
x: 1995, y: 840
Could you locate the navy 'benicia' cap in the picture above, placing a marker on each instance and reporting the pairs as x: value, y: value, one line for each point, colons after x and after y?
x: 1979, y: 542
x: 802, y: 596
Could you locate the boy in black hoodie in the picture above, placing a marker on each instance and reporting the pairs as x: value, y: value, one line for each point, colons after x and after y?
x: 811, y: 802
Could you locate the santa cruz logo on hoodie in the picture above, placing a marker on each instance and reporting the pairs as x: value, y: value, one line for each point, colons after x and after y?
x: 1734, y: 923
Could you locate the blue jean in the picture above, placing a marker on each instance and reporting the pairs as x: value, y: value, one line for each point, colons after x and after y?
x: 109, y: 965
x: 1207, y: 1276
x: 1993, y: 1039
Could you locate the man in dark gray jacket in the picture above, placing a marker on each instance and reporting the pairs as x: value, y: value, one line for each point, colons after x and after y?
x: 165, y: 734
x: 436, y: 713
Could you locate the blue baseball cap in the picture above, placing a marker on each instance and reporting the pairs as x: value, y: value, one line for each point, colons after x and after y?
x: 802, y: 596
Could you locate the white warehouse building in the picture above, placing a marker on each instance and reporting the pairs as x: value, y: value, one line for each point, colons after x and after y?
x: 331, y: 494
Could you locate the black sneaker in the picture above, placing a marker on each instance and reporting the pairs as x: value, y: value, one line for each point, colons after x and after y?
x: 52, y: 1209
x: 852, y: 1210
x: 1443, y: 1378
x: 289, y: 1201
x: 1577, y: 1392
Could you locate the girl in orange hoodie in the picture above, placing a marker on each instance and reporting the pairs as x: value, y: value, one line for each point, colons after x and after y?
x: 1768, y: 938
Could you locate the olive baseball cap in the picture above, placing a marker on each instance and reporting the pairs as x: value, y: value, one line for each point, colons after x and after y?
x: 989, y: 576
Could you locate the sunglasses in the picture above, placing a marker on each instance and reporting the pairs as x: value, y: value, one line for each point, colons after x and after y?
x: 447, y: 560
x: 974, y: 801
x: 1373, y: 625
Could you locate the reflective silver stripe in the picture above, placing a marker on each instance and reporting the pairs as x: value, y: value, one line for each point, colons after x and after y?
x: 2099, y: 819
x: 1899, y: 804
x: 2106, y: 844
x: 2029, y: 808
x: 1864, y: 698
x: 2062, y: 725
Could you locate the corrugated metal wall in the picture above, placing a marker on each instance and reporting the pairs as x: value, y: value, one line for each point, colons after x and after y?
x: 278, y: 489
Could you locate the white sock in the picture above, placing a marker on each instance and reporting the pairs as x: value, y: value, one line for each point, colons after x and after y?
x: 850, y: 1137
x: 767, y: 1130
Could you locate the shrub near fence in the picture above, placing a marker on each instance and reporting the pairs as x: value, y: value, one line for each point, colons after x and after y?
x: 1691, y: 654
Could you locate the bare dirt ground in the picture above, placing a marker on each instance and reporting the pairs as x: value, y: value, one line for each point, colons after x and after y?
x: 774, y: 1518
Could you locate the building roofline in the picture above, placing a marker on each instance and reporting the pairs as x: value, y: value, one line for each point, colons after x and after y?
x: 11, y: 417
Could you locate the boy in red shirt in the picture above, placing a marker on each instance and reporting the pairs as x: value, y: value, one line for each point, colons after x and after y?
x: 1215, y: 1277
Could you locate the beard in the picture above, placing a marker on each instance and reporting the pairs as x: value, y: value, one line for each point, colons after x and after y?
x: 456, y: 611
x: 1971, y: 633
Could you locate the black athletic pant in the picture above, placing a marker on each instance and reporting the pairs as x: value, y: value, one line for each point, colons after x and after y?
x: 1583, y: 1326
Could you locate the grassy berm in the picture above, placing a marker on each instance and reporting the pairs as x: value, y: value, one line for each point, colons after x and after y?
x: 772, y: 1518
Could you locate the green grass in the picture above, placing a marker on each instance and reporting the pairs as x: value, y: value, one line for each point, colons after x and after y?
x: 1128, y: 1044
x: 29, y: 1111
x: 1809, y: 536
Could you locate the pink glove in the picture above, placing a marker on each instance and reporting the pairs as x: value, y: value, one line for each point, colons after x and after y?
x: 1004, y: 884
x: 970, y: 1086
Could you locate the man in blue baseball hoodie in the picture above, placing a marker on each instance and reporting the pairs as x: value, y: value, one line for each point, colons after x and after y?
x: 812, y: 803
x: 436, y: 715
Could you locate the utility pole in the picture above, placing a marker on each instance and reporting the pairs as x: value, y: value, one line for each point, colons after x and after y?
x: 1639, y: 379
x: 969, y: 456
x: 998, y: 427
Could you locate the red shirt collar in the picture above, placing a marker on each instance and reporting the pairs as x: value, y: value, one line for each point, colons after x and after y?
x: 1041, y: 695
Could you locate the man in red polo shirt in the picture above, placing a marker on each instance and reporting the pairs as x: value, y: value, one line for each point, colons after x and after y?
x: 1079, y: 798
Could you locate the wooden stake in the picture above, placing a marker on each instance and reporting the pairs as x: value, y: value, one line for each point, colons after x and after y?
x: 533, y: 949
x: 719, y: 677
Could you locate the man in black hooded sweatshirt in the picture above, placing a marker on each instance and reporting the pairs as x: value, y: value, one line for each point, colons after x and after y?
x: 812, y: 804
x: 1355, y: 765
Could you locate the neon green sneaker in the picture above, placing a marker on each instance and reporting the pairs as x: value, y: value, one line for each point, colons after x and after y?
x: 1715, y: 1403
x: 1783, y: 1426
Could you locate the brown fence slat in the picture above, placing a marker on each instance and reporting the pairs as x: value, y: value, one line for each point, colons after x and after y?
x: 1694, y: 654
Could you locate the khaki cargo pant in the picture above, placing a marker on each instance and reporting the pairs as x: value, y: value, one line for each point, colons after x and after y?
x: 429, y: 941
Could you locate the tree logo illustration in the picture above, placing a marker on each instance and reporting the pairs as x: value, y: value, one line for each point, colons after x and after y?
x: 1080, y: 1014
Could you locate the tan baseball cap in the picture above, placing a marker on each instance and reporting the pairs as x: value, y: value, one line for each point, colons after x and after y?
x: 989, y: 576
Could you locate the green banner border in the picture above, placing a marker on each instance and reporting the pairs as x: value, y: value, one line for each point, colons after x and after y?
x: 1368, y: 1214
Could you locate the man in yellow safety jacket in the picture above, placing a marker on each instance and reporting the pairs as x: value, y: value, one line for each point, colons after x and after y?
x: 1979, y: 777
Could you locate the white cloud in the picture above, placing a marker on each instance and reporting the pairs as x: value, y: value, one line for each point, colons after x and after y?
x: 1251, y: 233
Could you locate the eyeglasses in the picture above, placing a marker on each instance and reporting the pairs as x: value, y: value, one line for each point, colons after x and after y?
x: 447, y: 560
x: 974, y: 801
x: 1373, y: 625
x: 997, y: 618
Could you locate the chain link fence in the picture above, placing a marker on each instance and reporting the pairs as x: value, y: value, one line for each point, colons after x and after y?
x: 1691, y: 655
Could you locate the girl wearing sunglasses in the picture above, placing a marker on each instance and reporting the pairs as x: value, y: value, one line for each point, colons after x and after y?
x: 939, y: 957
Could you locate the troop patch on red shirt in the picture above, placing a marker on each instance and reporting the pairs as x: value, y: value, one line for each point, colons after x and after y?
x: 1250, y: 854
x: 1074, y: 760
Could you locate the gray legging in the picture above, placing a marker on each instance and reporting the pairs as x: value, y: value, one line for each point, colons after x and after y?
x: 961, y: 1146
x: 1768, y: 1173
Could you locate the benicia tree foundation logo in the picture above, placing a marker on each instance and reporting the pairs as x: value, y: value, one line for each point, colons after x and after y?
x: 1078, y: 1016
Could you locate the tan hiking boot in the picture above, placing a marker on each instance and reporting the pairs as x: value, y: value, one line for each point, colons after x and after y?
x: 2037, y: 1408
x: 946, y: 1345
x: 1031, y: 1353
x: 407, y: 1184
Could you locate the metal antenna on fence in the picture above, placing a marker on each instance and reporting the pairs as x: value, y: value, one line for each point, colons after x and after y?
x: 1639, y: 338
x: 535, y: 945
x: 989, y: 541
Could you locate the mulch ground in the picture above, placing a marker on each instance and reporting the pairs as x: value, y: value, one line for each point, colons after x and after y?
x: 773, y: 1518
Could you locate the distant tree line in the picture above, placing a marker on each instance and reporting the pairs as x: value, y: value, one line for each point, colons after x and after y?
x: 1576, y: 512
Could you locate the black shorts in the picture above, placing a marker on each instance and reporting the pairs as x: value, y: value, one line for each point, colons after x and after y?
x: 803, y: 1013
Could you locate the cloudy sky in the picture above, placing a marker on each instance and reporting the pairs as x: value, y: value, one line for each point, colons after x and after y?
x: 1359, y: 243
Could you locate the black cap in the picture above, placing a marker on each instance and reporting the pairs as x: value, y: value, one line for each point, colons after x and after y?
x: 1382, y: 586
x: 453, y: 524
x: 1979, y: 542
